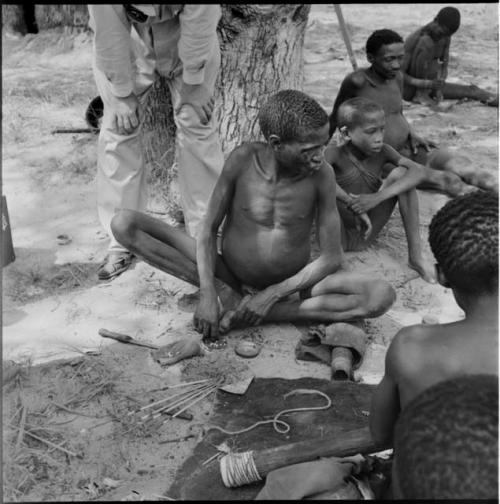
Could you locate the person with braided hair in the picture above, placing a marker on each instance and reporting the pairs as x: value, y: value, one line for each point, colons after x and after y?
x: 446, y: 442
x: 463, y: 236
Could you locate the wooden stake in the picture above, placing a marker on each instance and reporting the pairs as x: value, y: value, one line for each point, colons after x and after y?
x: 345, y: 36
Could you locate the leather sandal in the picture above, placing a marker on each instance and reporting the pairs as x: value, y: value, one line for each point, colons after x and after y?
x: 114, y: 264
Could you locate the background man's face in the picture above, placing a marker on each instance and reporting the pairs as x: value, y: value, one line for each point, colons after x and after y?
x: 387, y: 61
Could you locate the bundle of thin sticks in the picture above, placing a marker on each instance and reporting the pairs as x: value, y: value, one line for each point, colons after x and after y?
x: 177, y: 403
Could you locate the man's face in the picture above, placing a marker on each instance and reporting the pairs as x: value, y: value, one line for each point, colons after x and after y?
x: 304, y: 155
x: 368, y: 136
x: 387, y: 61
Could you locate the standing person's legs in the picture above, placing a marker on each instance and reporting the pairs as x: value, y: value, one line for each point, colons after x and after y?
x: 121, y: 178
x: 199, y: 153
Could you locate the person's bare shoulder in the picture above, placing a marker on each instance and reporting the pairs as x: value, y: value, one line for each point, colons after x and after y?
x: 357, y: 78
x: 332, y: 154
x: 242, y: 156
x: 407, y: 352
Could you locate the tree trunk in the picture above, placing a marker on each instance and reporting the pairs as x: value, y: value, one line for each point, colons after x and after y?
x: 261, y: 50
x: 73, y: 16
x: 261, y: 53
x: 13, y: 19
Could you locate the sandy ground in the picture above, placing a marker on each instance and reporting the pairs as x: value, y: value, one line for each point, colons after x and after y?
x: 53, y: 304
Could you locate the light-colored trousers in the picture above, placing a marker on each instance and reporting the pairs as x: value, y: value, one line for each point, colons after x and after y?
x: 121, y: 174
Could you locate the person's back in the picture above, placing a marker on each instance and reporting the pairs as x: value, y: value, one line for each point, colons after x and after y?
x: 446, y: 442
x: 463, y: 237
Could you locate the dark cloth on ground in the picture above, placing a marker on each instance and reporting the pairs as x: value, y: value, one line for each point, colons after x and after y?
x: 263, y: 399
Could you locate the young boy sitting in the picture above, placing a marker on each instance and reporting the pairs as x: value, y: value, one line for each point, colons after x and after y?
x: 425, y: 64
x: 359, y: 164
x: 446, y: 442
x: 269, y: 194
x: 463, y: 236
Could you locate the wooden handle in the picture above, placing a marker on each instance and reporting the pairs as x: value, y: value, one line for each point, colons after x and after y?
x: 124, y: 338
x: 343, y: 444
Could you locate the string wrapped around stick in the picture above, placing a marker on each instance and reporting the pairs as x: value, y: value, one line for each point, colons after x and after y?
x: 239, y: 469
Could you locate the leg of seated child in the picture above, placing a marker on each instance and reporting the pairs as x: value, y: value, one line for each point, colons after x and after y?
x: 408, y: 208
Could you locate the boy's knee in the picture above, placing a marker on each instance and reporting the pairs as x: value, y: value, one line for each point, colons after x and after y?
x: 122, y: 225
x: 381, y: 296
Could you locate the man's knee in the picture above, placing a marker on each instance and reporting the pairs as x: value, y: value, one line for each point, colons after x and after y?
x: 381, y: 296
x: 122, y: 226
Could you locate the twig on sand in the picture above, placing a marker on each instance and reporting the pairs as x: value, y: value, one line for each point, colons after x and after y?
x: 176, y: 440
x: 21, y: 429
x: 50, y: 443
x: 74, y: 412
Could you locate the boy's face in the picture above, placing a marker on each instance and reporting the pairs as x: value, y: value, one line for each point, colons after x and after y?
x: 304, y: 155
x: 439, y: 31
x: 368, y: 136
x: 387, y: 61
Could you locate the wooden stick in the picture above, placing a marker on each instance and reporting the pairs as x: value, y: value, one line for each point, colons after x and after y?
x: 345, y: 36
x: 21, y: 429
x: 189, y: 383
x: 49, y: 443
x: 168, y: 399
x: 194, y: 402
x: 168, y: 409
x: 342, y: 444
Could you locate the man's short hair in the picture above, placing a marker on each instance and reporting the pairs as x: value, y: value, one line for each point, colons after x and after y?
x: 289, y: 114
x: 450, y: 18
x: 463, y: 236
x: 381, y: 37
x: 446, y: 441
x: 353, y: 112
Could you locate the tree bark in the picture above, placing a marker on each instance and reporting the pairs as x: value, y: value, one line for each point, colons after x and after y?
x: 261, y: 49
x: 73, y: 16
x: 261, y: 53
x: 13, y: 19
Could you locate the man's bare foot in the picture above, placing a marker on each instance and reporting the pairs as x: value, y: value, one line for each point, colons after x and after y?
x: 177, y: 351
x: 423, y: 269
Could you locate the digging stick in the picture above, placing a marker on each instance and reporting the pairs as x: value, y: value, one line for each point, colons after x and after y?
x: 342, y: 444
x: 345, y: 36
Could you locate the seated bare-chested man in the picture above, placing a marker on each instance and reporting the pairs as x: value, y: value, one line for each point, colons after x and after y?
x: 382, y: 82
x: 269, y: 194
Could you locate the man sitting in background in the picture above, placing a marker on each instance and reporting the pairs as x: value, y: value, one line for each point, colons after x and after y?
x: 425, y: 65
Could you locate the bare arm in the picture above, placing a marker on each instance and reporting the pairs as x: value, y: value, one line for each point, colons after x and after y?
x: 206, y: 317
x: 415, y: 174
x: 421, y: 52
x: 328, y: 223
x: 385, y: 405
